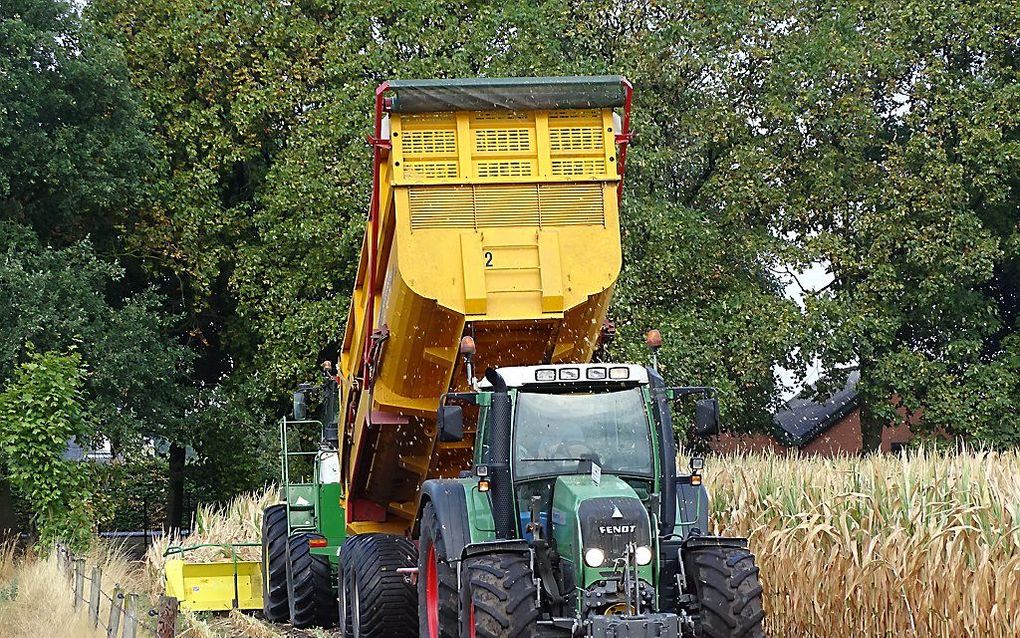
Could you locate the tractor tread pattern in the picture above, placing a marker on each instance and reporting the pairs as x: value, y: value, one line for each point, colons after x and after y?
x: 729, y: 592
x: 388, y: 604
x: 275, y: 605
x: 502, y: 589
x: 313, y: 603
x: 449, y: 612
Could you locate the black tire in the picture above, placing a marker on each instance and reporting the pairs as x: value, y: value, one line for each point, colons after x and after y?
x: 275, y: 606
x: 309, y: 585
x: 377, y: 601
x: 500, y: 597
x: 726, y: 583
x: 444, y: 621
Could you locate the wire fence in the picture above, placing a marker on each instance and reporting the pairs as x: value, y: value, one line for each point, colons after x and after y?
x: 127, y: 615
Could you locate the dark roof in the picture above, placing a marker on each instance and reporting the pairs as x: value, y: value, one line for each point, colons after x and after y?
x: 523, y: 94
x: 801, y: 419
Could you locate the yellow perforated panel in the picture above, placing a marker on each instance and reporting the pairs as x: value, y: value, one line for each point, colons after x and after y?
x: 506, y: 168
x: 430, y: 142
x: 488, y: 116
x: 575, y: 138
x: 479, y: 206
x: 502, y: 147
x: 506, y: 206
x: 430, y: 170
x: 577, y: 114
x: 572, y: 204
x: 513, y: 140
x: 577, y: 167
x: 446, y: 207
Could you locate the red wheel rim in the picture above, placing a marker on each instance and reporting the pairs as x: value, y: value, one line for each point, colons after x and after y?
x: 471, y: 621
x: 432, y: 593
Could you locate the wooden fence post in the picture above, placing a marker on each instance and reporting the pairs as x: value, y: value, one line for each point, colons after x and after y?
x: 79, y: 580
x: 131, y: 617
x: 166, y: 624
x: 116, y: 606
x: 97, y: 587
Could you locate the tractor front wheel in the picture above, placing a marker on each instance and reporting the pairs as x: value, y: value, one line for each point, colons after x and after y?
x: 274, y: 563
x: 309, y: 585
x: 376, y: 600
x: 500, y: 597
x: 725, y: 580
x: 437, y: 582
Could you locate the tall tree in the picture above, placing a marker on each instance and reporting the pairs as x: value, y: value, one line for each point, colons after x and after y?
x: 73, y: 149
x: 894, y: 130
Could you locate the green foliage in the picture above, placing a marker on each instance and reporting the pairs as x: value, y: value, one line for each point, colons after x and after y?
x: 73, y: 149
x: 57, y: 300
x: 40, y: 412
x: 221, y: 148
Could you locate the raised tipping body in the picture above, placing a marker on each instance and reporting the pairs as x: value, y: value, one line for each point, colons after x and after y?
x: 499, y: 223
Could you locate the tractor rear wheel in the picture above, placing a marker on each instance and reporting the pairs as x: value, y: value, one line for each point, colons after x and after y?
x: 500, y: 597
x: 726, y: 583
x: 309, y: 585
x: 438, y: 613
x: 274, y: 563
x: 377, y: 601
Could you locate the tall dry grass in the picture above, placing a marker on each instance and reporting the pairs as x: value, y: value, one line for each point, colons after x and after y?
x: 924, y: 544
x: 238, y: 521
x: 41, y: 604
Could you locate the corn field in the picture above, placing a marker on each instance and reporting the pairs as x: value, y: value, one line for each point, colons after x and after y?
x: 923, y: 544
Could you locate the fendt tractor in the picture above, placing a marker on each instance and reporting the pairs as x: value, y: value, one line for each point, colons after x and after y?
x: 542, y: 498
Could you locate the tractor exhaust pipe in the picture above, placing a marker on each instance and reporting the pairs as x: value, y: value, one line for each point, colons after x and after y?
x: 502, y: 491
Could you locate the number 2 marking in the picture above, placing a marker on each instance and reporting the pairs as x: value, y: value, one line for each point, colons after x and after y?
x: 488, y: 259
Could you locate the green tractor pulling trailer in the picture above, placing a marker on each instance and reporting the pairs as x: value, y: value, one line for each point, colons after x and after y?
x: 544, y: 498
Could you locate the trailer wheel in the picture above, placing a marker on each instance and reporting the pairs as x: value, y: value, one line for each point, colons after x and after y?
x: 438, y: 613
x: 500, y: 597
x: 309, y: 585
x: 274, y: 563
x: 377, y: 601
x: 726, y: 584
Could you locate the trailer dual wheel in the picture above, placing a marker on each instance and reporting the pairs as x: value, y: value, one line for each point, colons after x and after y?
x: 309, y: 585
x: 726, y: 584
x: 376, y: 600
x: 275, y: 605
x: 438, y: 608
x: 500, y: 596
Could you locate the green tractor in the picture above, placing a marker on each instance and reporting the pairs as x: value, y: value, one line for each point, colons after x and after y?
x: 301, y: 535
x: 574, y: 521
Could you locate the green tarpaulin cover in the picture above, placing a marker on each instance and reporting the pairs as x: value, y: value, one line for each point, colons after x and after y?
x: 515, y: 94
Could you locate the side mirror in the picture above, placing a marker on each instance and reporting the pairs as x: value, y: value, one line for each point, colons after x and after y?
x: 300, y: 405
x: 450, y: 419
x: 706, y: 417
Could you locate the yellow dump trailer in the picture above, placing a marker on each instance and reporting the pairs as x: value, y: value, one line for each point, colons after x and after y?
x: 495, y: 215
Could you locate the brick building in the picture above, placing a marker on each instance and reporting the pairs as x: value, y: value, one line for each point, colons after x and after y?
x: 818, y: 428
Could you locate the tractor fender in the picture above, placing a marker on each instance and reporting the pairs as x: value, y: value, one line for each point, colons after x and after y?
x: 516, y: 546
x: 695, y: 542
x: 449, y: 500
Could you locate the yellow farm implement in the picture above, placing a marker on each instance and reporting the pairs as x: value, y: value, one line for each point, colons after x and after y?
x: 213, y: 586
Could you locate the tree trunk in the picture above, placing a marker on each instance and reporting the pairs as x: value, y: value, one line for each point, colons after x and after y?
x: 175, y: 488
x: 8, y: 522
x: 871, y: 430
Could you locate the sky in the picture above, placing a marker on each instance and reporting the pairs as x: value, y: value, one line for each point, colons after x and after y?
x: 812, y: 279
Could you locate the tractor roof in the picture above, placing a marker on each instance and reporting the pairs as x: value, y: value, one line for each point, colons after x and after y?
x: 524, y: 376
